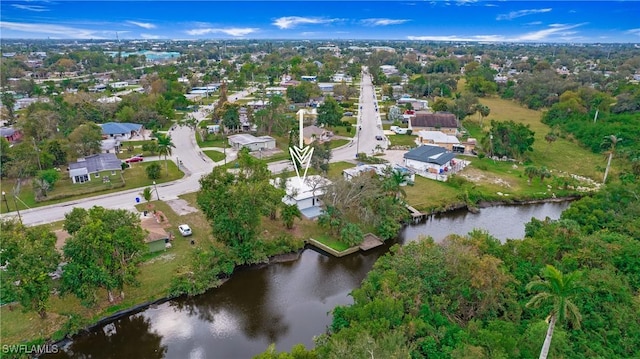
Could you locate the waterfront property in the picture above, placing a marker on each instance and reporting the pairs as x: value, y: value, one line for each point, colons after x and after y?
x: 158, y: 238
x: 433, y: 162
x: 305, y: 194
x: 102, y: 165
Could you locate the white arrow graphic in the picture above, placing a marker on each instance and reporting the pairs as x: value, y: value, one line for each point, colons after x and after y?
x: 301, y: 155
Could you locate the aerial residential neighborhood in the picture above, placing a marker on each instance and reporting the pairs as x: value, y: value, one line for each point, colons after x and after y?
x: 238, y: 196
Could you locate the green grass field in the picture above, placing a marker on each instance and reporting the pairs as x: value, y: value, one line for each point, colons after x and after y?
x: 562, y: 155
x: 402, y: 140
x: 65, y: 190
x: 214, y: 155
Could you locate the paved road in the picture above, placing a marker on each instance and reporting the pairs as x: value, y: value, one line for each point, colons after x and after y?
x: 195, y: 164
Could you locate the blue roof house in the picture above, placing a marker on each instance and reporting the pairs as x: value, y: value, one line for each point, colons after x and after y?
x: 121, y: 131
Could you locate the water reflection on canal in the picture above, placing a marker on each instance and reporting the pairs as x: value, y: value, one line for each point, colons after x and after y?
x: 286, y: 303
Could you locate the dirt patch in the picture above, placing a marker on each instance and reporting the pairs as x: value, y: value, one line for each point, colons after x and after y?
x: 476, y: 176
x: 181, y: 207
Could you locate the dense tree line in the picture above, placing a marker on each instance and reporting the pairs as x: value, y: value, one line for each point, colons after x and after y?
x: 474, y: 297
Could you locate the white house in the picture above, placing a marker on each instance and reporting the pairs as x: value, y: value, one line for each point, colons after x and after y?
x: 119, y: 84
x: 416, y: 104
x: 304, y: 194
x: 340, y: 77
x: 103, y: 165
x: 251, y: 142
x: 432, y: 162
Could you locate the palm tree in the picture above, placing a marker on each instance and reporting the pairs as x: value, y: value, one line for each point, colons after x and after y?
x: 289, y: 213
x: 394, y: 181
x: 531, y: 172
x: 556, y: 290
x: 613, y: 141
x: 164, y: 148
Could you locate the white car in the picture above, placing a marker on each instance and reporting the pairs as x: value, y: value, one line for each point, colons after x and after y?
x: 185, y: 230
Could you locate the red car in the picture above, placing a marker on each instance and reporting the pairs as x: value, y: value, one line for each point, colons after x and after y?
x: 134, y: 159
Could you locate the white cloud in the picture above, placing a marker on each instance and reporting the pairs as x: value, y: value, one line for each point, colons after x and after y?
x: 490, y: 5
x: 633, y: 31
x: 465, y: 2
x: 516, y: 14
x: 150, y: 36
x: 36, y: 8
x: 383, y: 22
x: 234, y: 31
x: 554, y: 29
x: 50, y: 30
x: 534, y: 23
x: 554, y: 32
x: 289, y: 22
x: 146, y: 25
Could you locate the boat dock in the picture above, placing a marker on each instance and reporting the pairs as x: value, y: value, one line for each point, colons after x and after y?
x: 416, y: 215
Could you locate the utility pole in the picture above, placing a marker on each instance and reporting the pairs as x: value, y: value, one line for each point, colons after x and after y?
x: 4, y: 198
x: 156, y: 188
x: 358, y: 141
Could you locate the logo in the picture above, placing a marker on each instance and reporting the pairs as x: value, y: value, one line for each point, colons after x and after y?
x: 301, y: 155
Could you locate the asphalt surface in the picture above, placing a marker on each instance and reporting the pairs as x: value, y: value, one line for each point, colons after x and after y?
x: 195, y: 164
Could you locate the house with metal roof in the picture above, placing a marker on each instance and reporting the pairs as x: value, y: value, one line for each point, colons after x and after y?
x: 11, y: 134
x: 121, y: 131
x: 431, y: 161
x: 440, y: 121
x: 251, y: 142
x: 441, y: 139
x: 102, y: 167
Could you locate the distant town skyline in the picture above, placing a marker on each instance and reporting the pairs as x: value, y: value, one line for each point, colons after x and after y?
x: 463, y: 20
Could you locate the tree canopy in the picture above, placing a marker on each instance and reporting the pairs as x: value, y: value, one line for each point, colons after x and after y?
x: 103, y: 251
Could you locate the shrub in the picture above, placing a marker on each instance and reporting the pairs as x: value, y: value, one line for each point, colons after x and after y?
x: 153, y: 170
x: 50, y: 176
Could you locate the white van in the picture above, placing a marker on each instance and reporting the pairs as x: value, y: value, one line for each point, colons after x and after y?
x: 398, y: 130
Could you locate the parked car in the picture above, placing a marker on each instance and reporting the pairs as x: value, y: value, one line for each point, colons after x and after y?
x: 134, y: 159
x: 185, y: 230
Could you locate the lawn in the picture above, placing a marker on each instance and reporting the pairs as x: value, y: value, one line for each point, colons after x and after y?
x: 65, y: 190
x: 212, y: 140
x: 214, y: 155
x: 427, y: 195
x: 402, y: 140
x: 561, y: 155
x: 342, y: 131
x: 335, y: 170
x: 338, y: 143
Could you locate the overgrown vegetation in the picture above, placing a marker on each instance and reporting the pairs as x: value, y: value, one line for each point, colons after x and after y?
x: 467, y: 297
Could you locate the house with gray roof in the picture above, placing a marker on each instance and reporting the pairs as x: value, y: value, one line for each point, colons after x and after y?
x: 120, y: 131
x: 251, y: 142
x: 432, y: 161
x: 102, y: 167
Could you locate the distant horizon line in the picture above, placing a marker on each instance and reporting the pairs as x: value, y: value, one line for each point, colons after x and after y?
x: 323, y: 39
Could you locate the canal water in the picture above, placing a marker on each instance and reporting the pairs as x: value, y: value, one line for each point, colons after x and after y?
x: 285, y: 303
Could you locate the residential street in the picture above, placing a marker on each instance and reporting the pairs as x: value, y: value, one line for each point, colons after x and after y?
x: 195, y: 163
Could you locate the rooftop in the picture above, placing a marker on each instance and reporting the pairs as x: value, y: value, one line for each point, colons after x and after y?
x: 430, y: 154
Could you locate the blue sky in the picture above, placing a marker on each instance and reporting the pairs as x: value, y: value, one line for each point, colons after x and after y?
x: 464, y: 20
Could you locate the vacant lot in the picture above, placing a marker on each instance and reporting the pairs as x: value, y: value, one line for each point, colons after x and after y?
x: 562, y: 155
